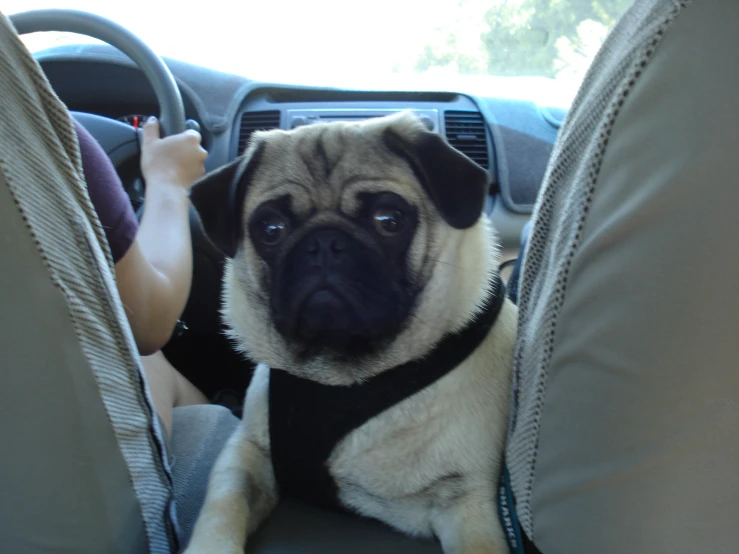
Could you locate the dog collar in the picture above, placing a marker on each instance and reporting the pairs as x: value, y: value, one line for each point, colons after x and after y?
x: 308, y: 419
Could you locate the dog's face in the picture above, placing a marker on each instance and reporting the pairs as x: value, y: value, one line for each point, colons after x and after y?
x: 345, y: 243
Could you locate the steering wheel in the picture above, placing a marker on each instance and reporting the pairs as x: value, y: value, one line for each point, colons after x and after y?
x: 119, y: 140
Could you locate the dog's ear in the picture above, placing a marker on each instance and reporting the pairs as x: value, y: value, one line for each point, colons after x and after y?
x: 456, y: 184
x: 219, y: 197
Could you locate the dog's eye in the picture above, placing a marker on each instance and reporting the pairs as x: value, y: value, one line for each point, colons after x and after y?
x: 388, y: 221
x: 271, y: 229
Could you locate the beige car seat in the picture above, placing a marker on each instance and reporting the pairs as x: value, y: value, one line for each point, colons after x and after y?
x: 83, y: 467
x: 625, y: 429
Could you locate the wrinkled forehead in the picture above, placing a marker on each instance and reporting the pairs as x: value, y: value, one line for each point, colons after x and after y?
x: 328, y: 167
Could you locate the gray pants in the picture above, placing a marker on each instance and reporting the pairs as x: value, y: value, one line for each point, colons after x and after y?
x: 198, y: 436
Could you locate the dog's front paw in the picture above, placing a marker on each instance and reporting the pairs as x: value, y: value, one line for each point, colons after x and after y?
x: 221, y: 527
x: 213, y: 547
x: 206, y: 540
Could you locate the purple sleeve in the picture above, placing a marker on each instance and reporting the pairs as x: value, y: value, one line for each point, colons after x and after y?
x: 110, y: 201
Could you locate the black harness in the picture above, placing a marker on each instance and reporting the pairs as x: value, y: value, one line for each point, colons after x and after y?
x: 308, y: 419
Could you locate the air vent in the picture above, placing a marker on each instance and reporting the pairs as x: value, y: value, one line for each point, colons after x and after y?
x: 256, y: 121
x: 466, y: 132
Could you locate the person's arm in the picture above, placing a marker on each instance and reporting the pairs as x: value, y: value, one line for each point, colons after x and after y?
x: 155, y: 274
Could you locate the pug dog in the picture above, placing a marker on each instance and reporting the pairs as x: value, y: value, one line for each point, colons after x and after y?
x: 362, y: 278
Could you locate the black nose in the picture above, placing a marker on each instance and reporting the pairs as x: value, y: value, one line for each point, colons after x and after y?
x: 324, y: 247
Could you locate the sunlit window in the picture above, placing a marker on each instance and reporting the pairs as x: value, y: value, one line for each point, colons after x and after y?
x: 475, y: 46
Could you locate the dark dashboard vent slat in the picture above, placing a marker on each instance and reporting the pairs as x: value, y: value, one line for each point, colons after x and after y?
x: 466, y: 132
x: 256, y: 121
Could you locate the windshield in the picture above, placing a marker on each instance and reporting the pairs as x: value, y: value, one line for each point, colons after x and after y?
x: 519, y: 48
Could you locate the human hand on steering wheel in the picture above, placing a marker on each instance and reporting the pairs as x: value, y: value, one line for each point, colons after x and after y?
x: 177, y: 160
